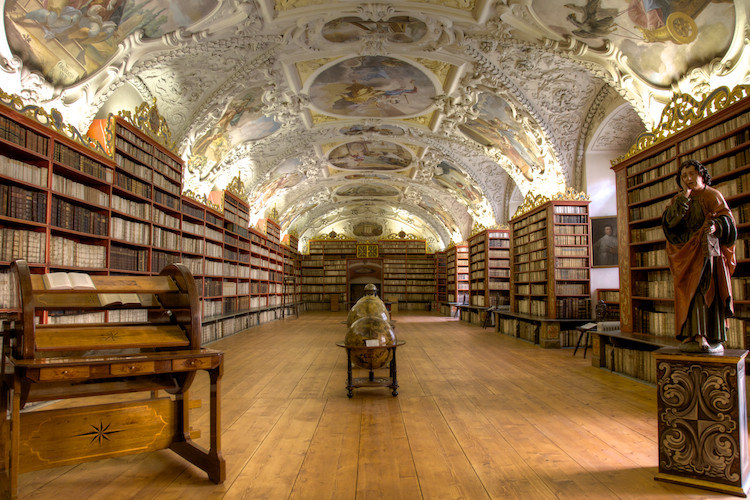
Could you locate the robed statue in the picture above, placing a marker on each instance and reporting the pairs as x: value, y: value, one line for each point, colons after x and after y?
x: 700, y: 232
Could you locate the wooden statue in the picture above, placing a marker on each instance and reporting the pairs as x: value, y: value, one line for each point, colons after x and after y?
x: 701, y: 233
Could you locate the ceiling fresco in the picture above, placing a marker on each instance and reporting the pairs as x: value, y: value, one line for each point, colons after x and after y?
x: 661, y: 39
x: 66, y: 41
x: 427, y: 118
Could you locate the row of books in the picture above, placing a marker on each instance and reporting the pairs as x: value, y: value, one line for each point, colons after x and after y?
x: 571, y: 219
x: 570, y: 209
x: 18, y: 134
x: 573, y: 307
x: 572, y: 289
x: 19, y: 243
x: 73, y: 159
x: 571, y: 240
x: 652, y: 258
x: 71, y: 253
x: 80, y: 191
x: 21, y: 203
x: 21, y: 171
x: 649, y: 211
x: 67, y: 215
x: 632, y: 362
x: 130, y: 231
x: 718, y: 130
x: 128, y: 259
x: 651, y: 161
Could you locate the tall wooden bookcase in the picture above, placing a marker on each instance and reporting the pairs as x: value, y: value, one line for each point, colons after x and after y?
x: 717, y: 133
x: 441, y: 277
x: 457, y: 270
x: 408, y: 273
x: 489, y: 268
x: 550, y: 270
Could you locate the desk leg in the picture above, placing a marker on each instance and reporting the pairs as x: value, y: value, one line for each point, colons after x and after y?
x: 394, y: 381
x: 349, y: 373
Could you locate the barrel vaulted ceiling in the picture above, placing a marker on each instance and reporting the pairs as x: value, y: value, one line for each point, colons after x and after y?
x: 425, y: 117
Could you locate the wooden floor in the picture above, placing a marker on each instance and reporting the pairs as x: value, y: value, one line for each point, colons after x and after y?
x: 478, y: 415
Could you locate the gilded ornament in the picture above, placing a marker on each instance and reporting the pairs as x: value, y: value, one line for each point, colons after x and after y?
x: 53, y: 120
x: 685, y: 111
x: 148, y: 120
x: 570, y: 194
x: 236, y: 187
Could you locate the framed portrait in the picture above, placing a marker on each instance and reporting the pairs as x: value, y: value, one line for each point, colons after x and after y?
x: 604, y: 246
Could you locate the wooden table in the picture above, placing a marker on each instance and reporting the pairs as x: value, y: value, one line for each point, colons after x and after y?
x: 371, y: 381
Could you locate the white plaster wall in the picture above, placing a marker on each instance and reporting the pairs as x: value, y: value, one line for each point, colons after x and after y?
x: 600, y: 186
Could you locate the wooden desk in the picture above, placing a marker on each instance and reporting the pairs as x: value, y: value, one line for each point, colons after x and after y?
x: 545, y: 331
x: 371, y: 381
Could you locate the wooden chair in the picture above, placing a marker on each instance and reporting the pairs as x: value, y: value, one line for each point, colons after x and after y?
x: 159, y: 352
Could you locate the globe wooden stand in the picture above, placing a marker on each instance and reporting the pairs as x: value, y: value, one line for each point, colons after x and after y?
x: 702, y: 420
x: 372, y: 381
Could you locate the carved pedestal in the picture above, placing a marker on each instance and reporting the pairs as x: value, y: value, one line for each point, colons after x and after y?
x: 702, y: 428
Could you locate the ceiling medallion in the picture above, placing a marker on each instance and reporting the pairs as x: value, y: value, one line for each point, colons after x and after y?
x: 684, y: 111
x: 372, y: 86
x: 52, y: 119
x: 148, y: 120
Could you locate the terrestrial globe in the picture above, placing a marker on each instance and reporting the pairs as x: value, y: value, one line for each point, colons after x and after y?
x: 370, y: 328
x: 369, y: 305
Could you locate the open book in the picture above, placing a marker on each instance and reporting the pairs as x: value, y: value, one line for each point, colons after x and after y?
x: 107, y: 299
x: 68, y: 281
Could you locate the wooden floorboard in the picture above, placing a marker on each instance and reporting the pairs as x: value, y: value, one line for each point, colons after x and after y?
x: 479, y: 415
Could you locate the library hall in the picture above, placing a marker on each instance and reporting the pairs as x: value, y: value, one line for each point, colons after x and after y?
x: 331, y: 249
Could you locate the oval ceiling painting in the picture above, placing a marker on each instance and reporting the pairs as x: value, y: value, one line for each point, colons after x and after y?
x: 372, y: 86
x: 372, y: 129
x: 401, y: 29
x: 69, y: 40
x: 241, y: 121
x: 367, y: 229
x: 368, y: 190
x: 496, y: 128
x: 456, y: 182
x: 370, y: 155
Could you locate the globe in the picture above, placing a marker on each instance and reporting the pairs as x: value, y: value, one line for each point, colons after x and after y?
x: 369, y: 328
x: 369, y: 305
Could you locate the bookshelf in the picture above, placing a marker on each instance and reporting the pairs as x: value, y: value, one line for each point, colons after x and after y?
x: 716, y: 132
x: 408, y: 273
x: 457, y: 273
x: 441, y: 277
x: 489, y: 268
x: 611, y: 298
x: 550, y: 264
x: 323, y: 273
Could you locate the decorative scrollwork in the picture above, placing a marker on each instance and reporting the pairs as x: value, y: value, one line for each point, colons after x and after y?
x: 684, y: 111
x: 698, y: 414
x: 148, y: 120
x: 236, y: 187
x: 51, y: 119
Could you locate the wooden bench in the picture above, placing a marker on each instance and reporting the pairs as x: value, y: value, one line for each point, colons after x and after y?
x: 158, y: 351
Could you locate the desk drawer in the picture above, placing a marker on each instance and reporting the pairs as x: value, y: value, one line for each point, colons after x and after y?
x: 191, y: 363
x: 132, y: 368
x: 64, y: 373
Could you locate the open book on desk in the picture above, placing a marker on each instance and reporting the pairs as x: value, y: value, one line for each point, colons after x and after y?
x: 114, y: 299
x: 68, y: 281
x: 588, y: 326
